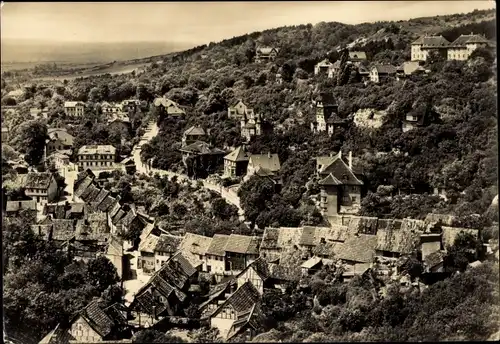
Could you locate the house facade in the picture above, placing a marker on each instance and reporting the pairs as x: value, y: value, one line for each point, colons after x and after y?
x: 59, y: 140
x: 97, y: 157
x: 74, y: 109
x: 236, y: 163
x: 380, y: 73
x: 322, y: 67
x: 461, y: 48
x: 340, y: 187
x: 326, y: 117
x: 263, y: 165
x: 206, y: 159
x: 265, y: 54
x: 5, y: 135
x: 251, y: 125
x: 41, y: 187
x: 239, y: 110
x: 193, y: 134
x: 423, y: 46
x: 169, y: 108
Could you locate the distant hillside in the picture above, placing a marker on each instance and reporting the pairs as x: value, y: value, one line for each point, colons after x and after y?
x: 38, y: 51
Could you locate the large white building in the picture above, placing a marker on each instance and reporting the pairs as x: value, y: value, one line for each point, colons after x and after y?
x: 97, y: 157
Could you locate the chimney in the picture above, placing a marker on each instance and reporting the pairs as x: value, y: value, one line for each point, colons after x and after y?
x: 269, y: 155
x: 340, y: 154
x: 350, y: 160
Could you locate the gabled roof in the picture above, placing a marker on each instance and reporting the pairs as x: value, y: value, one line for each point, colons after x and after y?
x: 115, y: 246
x: 218, y: 245
x: 97, y: 319
x: 385, y: 69
x: 63, y: 230
x: 330, y: 180
x: 359, y: 248
x: 37, y: 180
x: 401, y: 240
x: 201, y: 147
x: 168, y: 243
x: 195, y: 130
x: 325, y: 62
x: 242, y: 244
x: 266, y: 50
x: 238, y: 154
x: 410, y: 67
x: 338, y: 169
x: 270, y: 162
x: 242, y: 300
x: 261, y: 267
x: 195, y: 244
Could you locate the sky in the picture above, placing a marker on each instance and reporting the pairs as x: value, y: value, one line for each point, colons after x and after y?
x: 199, y: 22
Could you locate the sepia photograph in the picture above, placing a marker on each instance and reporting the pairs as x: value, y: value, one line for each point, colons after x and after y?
x: 249, y: 172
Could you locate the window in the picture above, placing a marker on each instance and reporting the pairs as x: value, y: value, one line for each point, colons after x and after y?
x: 209, y: 268
x: 353, y: 198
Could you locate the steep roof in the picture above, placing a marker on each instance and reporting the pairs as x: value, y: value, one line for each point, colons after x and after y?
x: 201, y: 147
x: 243, y: 299
x: 195, y: 130
x: 451, y: 233
x: 266, y: 50
x: 385, y: 69
x: 98, y: 319
x: 196, y: 244
x: 242, y: 244
x: 168, y: 243
x: 359, y: 248
x: 37, y: 180
x: 238, y: 154
x: 338, y: 169
x: 218, y: 245
x: 311, y: 263
x: 267, y: 161
x: 63, y: 230
x: 434, y: 259
x: 149, y: 244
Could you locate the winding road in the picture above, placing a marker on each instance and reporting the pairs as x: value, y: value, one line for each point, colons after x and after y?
x: 151, y: 131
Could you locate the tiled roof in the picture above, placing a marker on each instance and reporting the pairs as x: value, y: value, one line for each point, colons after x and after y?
x: 115, y: 246
x: 180, y: 262
x: 218, y: 245
x: 434, y: 218
x: 90, y: 193
x: 242, y: 300
x: 434, y: 259
x: 73, y: 104
x: 266, y: 50
x: 238, y: 154
x: 261, y: 267
x: 468, y: 39
x: 336, y: 166
x: 107, y: 203
x: 431, y: 41
x: 307, y: 238
x: 201, y: 147
x: 83, y: 175
x: 195, y: 130
x: 168, y: 243
x: 242, y: 244
x: 37, y: 180
x: 61, y: 134
x: 329, y: 180
x: 385, y: 69
x: 97, y: 319
x: 253, y: 317
x: 403, y: 240
x: 82, y: 186
x: 267, y: 161
x: 196, y: 244
x: 100, y: 197
x: 149, y: 244
x: 359, y: 248
x: 63, y: 230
